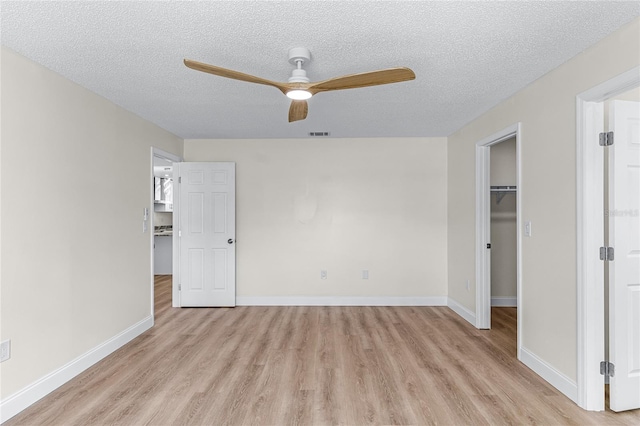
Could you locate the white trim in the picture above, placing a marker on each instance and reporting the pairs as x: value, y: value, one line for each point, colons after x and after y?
x: 22, y: 399
x: 483, y: 236
x: 175, y: 281
x: 505, y: 302
x: 612, y: 87
x: 558, y: 380
x: 589, y: 236
x: 340, y: 301
x: 462, y: 311
x: 519, y: 232
x: 157, y: 152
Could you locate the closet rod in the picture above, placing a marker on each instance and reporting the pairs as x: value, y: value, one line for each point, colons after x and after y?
x: 502, y: 190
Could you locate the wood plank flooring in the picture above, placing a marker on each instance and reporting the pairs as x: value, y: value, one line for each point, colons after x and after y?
x: 313, y: 366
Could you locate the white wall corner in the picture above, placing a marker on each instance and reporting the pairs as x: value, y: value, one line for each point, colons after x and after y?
x: 558, y: 380
x: 22, y: 399
x: 462, y: 311
x: 339, y: 301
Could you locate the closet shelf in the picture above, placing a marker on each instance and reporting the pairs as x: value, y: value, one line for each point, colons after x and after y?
x: 502, y: 190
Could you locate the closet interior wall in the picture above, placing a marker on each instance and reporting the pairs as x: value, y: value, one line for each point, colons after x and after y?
x: 503, y: 225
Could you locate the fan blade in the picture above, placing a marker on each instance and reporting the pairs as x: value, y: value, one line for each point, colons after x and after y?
x: 365, y: 79
x: 298, y: 111
x: 236, y: 75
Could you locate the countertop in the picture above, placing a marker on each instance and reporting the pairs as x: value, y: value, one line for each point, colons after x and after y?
x: 163, y: 231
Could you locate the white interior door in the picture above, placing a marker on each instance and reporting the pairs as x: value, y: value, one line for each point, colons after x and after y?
x: 207, y: 234
x: 624, y: 270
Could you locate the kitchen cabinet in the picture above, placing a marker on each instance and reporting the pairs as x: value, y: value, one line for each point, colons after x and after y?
x: 163, y: 194
x: 163, y: 255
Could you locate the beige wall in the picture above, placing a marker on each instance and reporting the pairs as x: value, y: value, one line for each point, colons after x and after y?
x: 343, y: 205
x: 503, y: 163
x: 547, y: 111
x: 75, y: 179
x: 503, y: 221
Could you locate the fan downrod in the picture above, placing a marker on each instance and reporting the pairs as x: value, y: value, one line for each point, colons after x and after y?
x: 298, y: 56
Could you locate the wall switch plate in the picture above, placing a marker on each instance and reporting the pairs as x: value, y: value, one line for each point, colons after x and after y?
x: 5, y: 350
x: 323, y: 274
x: 527, y: 228
x: 365, y: 274
x: 468, y: 285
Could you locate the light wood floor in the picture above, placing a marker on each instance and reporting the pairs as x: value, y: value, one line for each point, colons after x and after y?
x: 313, y: 365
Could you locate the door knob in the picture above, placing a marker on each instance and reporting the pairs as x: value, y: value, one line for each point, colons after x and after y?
x: 230, y: 241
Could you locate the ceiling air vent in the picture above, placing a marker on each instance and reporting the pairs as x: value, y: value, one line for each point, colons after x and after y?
x: 318, y: 133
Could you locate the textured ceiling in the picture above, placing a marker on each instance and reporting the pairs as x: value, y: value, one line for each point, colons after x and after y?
x: 467, y: 56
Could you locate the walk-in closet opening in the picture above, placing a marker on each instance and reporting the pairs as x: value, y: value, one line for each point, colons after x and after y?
x: 499, y: 228
x: 503, y: 234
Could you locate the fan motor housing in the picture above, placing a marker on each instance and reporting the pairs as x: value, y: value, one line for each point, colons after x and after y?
x: 298, y: 76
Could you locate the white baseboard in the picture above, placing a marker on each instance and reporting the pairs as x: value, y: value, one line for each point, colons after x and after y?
x: 22, y: 399
x: 462, y: 311
x: 506, y: 302
x: 550, y: 374
x: 340, y: 301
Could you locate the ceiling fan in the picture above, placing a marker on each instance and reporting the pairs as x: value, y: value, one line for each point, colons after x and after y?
x: 299, y: 88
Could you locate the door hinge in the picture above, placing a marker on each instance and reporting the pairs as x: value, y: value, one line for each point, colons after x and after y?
x: 179, y: 287
x: 606, y: 138
x: 179, y: 179
x: 606, y: 253
x: 607, y: 368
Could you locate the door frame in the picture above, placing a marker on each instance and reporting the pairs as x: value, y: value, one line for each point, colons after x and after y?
x: 157, y: 152
x: 483, y: 224
x: 590, y: 236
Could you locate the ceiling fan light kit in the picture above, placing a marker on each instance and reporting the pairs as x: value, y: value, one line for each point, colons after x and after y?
x: 298, y: 56
x: 299, y: 88
x: 298, y: 95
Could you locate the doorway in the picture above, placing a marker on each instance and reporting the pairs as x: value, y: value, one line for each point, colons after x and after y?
x: 161, y: 223
x: 510, y: 182
x: 503, y: 232
x: 593, y: 313
x: 503, y: 224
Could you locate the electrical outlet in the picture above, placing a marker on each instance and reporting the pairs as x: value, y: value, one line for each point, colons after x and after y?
x: 323, y: 274
x: 5, y: 350
x: 365, y: 274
